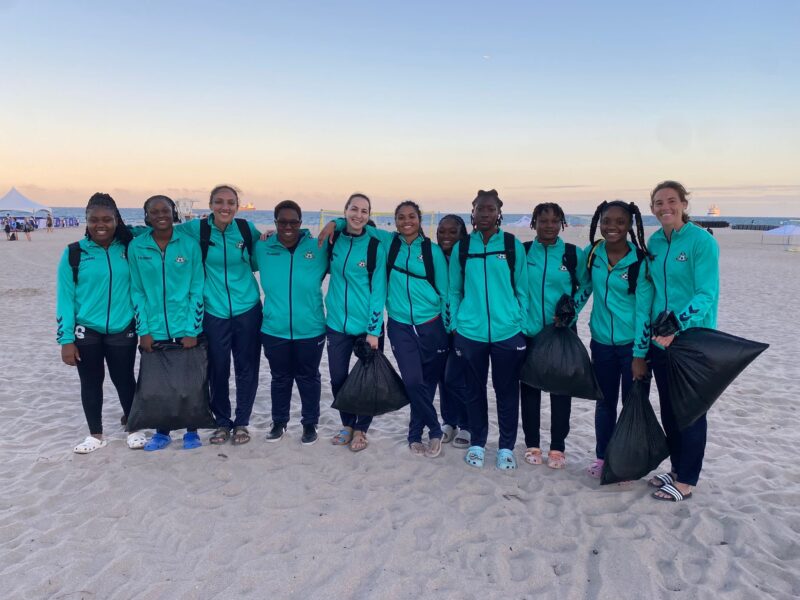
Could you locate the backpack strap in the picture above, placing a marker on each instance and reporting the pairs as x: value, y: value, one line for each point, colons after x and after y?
x: 591, y: 257
x: 527, y: 245
x: 74, y: 257
x: 247, y: 235
x: 394, y: 250
x: 570, y: 261
x: 372, y: 258
x: 427, y: 261
x: 205, y: 239
x: 509, y: 241
x: 633, y: 271
x: 463, y: 253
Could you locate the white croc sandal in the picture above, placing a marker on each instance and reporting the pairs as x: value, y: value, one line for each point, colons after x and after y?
x: 90, y: 444
x: 136, y: 440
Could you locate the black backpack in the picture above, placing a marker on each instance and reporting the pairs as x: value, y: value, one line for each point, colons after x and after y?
x: 74, y: 252
x: 205, y: 237
x: 569, y: 260
x: 633, y: 268
x: 427, y: 260
x: 372, y: 254
x: 509, y: 250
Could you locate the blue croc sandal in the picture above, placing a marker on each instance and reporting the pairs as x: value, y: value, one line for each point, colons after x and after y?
x: 475, y: 456
x: 159, y: 441
x: 191, y: 440
x: 505, y: 460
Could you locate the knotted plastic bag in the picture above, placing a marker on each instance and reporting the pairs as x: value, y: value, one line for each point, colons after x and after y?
x: 373, y: 387
x: 638, y: 444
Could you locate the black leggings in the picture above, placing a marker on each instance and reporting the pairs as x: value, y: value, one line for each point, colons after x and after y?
x: 119, y: 352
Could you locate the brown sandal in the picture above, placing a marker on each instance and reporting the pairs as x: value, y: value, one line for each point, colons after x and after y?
x: 220, y: 436
x: 359, y: 441
x: 240, y: 436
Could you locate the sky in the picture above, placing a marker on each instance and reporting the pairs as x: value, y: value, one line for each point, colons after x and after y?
x: 574, y: 102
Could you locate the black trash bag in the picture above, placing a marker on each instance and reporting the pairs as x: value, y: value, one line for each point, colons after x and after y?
x: 557, y: 362
x: 565, y: 311
x: 638, y: 444
x: 666, y: 324
x: 373, y: 387
x: 172, y: 389
x: 702, y: 363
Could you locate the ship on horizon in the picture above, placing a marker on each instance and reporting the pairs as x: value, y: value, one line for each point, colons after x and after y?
x: 713, y: 211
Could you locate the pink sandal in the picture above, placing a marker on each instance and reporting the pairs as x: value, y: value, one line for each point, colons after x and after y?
x: 556, y: 459
x: 596, y: 468
x: 533, y: 456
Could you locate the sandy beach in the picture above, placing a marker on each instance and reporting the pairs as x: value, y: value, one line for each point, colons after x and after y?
x: 287, y: 521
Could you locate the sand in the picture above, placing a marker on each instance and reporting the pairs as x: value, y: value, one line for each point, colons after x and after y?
x: 287, y: 521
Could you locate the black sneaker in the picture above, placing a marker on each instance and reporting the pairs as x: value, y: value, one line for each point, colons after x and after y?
x: 276, y: 433
x: 309, y: 435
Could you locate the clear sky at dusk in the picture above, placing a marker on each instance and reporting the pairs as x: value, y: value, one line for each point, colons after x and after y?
x: 574, y: 102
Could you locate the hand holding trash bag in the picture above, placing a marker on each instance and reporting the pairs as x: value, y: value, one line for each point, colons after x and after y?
x: 638, y: 444
x: 373, y: 387
x: 701, y: 364
x: 557, y: 361
x: 172, y: 389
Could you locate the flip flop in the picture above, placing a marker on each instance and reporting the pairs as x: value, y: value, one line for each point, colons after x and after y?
x: 435, y: 447
x: 240, y: 436
x: 90, y: 444
x: 475, y: 457
x: 505, y: 460
x: 343, y: 438
x: 664, y: 479
x: 448, y: 433
x: 136, y: 440
x: 675, y: 494
x: 220, y: 436
x: 355, y: 446
x: 417, y: 448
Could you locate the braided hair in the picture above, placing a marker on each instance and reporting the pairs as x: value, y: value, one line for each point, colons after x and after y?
x: 175, y: 216
x: 492, y: 195
x: 417, y: 210
x: 462, y: 227
x: 637, y: 235
x: 548, y: 207
x: 101, y: 200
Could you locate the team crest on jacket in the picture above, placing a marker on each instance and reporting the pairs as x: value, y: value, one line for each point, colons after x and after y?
x: 420, y: 257
x: 562, y: 268
x: 309, y: 255
x: 240, y: 245
x: 681, y: 257
x: 180, y: 259
x: 501, y: 256
x: 362, y: 263
x: 624, y: 275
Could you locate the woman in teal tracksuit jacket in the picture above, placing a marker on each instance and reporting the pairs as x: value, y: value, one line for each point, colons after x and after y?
x: 685, y: 272
x: 489, y: 304
x: 550, y: 276
x: 620, y: 321
x: 167, y: 290
x: 354, y: 305
x: 232, y: 311
x: 292, y: 268
x: 94, y: 315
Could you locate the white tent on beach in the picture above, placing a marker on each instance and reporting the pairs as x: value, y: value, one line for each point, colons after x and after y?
x: 16, y: 204
x: 788, y: 233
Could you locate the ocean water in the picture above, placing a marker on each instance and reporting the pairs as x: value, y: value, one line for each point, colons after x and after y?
x: 135, y: 216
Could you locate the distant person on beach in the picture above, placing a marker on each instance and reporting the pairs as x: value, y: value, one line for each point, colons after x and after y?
x: 619, y: 272
x: 7, y: 227
x: 233, y: 315
x: 685, y: 272
x: 167, y: 292
x: 49, y: 223
x: 27, y: 227
x: 452, y: 386
x: 95, y: 316
x: 354, y: 305
x: 292, y: 268
x: 554, y: 268
x: 488, y: 303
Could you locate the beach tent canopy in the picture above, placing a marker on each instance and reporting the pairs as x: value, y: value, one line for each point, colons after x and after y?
x: 790, y: 232
x: 15, y: 202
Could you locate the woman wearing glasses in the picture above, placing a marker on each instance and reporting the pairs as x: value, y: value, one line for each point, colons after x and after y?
x: 292, y: 268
